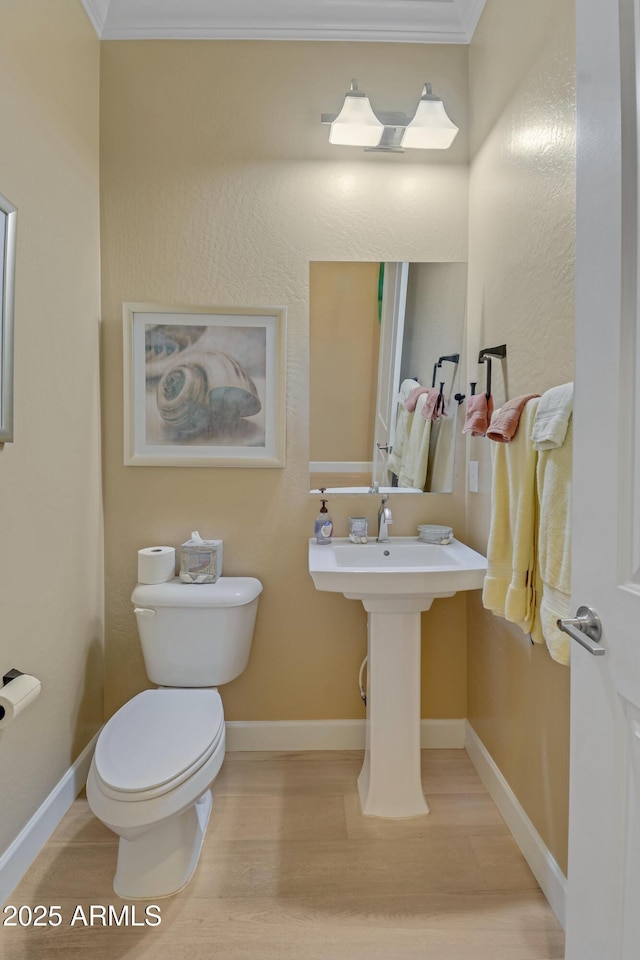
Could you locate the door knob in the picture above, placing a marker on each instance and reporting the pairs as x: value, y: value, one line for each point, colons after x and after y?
x: 384, y: 446
x: 586, y: 629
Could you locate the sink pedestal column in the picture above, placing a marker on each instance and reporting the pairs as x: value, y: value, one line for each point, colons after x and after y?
x: 390, y: 784
x: 395, y: 580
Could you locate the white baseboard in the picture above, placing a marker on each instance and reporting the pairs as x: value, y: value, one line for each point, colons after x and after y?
x: 545, y: 869
x: 19, y: 856
x: 329, y: 734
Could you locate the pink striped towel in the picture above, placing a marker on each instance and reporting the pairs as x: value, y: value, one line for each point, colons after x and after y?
x: 505, y: 420
x: 479, y: 410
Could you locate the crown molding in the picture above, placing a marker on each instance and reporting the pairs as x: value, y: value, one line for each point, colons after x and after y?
x: 471, y: 17
x: 398, y: 21
x: 96, y: 10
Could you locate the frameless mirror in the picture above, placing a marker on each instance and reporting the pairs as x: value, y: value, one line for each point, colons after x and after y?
x: 378, y: 332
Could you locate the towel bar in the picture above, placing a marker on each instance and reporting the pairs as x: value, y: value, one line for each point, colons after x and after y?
x: 451, y: 358
x: 499, y: 353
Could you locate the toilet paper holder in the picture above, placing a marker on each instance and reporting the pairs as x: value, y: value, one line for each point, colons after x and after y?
x: 7, y: 678
x: 18, y: 690
x: 11, y: 675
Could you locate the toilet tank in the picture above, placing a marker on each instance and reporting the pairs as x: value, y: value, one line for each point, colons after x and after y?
x: 196, y: 635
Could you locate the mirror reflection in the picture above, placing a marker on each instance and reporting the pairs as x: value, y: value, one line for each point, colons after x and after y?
x: 384, y: 369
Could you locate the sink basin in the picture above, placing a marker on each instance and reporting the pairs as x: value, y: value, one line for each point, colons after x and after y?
x: 400, y: 566
x: 395, y: 580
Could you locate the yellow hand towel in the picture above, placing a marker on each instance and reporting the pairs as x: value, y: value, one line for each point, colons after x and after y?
x: 403, y: 426
x: 554, y: 545
x: 509, y: 588
x: 442, y: 447
x: 413, y: 472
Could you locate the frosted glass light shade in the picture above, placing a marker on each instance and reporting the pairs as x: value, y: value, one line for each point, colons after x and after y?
x: 431, y: 128
x: 356, y: 125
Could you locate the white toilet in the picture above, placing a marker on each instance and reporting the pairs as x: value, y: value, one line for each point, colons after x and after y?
x: 157, y: 757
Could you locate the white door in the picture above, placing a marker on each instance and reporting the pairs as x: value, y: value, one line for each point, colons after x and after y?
x: 394, y: 301
x: 603, y: 909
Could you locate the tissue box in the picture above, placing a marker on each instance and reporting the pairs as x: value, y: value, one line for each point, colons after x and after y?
x: 200, y: 561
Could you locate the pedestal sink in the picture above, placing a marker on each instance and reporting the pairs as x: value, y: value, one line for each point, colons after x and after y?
x: 395, y: 580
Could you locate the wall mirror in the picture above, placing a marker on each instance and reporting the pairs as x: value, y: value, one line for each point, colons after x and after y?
x: 8, y: 215
x: 378, y: 331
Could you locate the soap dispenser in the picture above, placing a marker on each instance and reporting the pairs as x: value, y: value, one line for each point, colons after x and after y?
x: 324, y: 525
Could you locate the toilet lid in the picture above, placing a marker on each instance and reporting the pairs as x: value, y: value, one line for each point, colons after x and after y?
x: 157, y: 739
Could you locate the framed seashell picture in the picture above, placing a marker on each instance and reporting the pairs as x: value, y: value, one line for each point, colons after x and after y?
x: 204, y: 386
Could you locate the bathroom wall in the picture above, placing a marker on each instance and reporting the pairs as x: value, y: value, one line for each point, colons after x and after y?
x: 521, y: 259
x: 343, y: 363
x: 434, y: 323
x: 51, y: 562
x: 219, y: 187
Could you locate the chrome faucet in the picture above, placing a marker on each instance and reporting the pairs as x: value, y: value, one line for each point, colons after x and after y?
x: 384, y: 520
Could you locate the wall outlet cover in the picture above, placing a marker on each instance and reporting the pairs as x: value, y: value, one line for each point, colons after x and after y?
x: 473, y: 476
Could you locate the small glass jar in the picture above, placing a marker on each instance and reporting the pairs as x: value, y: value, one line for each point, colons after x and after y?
x: 358, y: 529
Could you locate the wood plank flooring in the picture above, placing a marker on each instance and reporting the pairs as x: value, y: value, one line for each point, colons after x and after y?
x: 291, y: 870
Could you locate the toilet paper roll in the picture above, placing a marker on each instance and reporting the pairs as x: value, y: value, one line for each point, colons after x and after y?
x: 15, y: 696
x: 156, y: 564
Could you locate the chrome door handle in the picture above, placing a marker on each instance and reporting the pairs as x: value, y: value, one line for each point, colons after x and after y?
x: 385, y: 447
x: 586, y: 629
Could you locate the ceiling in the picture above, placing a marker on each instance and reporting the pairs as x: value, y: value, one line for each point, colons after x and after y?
x: 405, y: 21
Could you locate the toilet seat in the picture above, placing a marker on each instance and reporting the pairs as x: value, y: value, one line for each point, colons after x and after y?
x: 156, y: 741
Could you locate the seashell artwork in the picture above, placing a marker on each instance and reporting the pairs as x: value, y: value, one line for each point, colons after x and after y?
x: 204, y: 386
x: 198, y: 392
x: 162, y: 345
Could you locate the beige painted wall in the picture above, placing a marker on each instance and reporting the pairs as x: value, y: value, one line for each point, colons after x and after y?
x: 51, y: 567
x: 434, y: 323
x: 219, y: 187
x: 344, y: 339
x: 521, y: 258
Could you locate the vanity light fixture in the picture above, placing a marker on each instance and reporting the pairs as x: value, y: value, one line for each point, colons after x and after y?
x: 431, y: 128
x: 358, y: 125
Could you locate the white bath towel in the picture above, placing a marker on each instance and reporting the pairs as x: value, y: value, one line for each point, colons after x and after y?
x: 413, y: 472
x: 554, y: 546
x: 510, y: 584
x: 403, y: 426
x: 552, y: 419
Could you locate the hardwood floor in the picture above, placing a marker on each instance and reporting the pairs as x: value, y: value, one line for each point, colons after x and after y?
x: 291, y: 870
